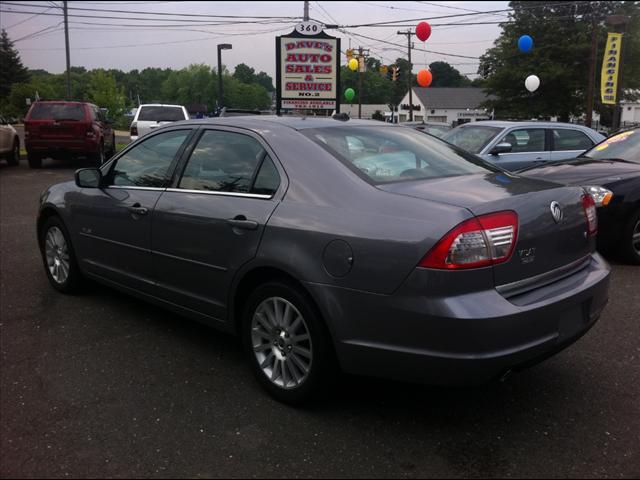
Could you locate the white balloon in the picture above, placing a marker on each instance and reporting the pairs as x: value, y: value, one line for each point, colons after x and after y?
x: 532, y: 83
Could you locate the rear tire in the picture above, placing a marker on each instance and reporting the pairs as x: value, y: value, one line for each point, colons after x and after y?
x: 59, y: 257
x: 35, y: 161
x: 286, y: 343
x: 631, y: 240
x: 14, y: 156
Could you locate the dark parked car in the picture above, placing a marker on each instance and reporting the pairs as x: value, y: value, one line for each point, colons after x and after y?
x: 611, y: 172
x: 61, y: 129
x: 405, y: 257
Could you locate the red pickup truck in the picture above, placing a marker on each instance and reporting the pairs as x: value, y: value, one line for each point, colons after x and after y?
x: 61, y: 129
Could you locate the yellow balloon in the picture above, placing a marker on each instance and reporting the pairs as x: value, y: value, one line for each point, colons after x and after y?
x: 353, y: 64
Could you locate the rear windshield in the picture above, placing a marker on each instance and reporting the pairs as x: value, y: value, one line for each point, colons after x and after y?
x: 624, y: 146
x: 472, y: 139
x: 392, y: 154
x: 57, y: 111
x: 161, y: 114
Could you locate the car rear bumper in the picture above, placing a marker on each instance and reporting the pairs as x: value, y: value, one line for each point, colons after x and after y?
x: 61, y: 146
x: 463, y: 339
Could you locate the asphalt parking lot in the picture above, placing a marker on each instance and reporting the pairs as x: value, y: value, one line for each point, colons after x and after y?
x: 103, y: 385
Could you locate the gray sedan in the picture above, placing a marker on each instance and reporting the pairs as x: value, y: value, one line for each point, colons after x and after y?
x: 330, y: 244
x: 518, y: 145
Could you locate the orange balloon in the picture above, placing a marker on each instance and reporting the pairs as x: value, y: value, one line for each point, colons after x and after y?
x: 424, y: 78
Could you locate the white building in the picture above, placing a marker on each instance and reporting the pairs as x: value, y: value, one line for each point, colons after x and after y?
x: 630, y: 113
x: 443, y: 104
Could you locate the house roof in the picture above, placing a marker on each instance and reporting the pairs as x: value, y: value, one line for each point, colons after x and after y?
x: 447, y: 97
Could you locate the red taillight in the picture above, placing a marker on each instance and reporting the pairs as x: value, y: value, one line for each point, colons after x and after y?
x: 477, y: 242
x: 134, y: 129
x: 589, y: 206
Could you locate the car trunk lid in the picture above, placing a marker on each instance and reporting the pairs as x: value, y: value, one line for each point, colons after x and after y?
x: 543, y: 244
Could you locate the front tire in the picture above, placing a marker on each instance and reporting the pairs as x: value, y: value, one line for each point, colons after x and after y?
x: 14, y: 156
x: 286, y: 343
x: 59, y: 257
x: 631, y: 240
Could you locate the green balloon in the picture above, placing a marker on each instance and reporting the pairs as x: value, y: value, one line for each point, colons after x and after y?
x: 349, y: 94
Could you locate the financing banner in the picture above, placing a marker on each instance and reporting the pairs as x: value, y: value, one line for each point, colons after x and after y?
x: 307, y: 72
x: 610, y: 69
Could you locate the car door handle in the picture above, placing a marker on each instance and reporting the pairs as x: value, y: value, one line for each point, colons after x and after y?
x: 241, y: 222
x: 137, y: 209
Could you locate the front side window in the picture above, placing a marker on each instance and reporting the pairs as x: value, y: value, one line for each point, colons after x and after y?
x: 525, y: 140
x: 227, y: 162
x: 148, y: 163
x: 565, y: 139
x: 391, y: 154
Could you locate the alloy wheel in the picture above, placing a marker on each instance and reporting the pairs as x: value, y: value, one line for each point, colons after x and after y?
x: 57, y: 255
x: 635, y: 238
x: 281, y: 343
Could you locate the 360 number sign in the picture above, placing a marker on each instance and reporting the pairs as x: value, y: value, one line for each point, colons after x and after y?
x: 308, y: 28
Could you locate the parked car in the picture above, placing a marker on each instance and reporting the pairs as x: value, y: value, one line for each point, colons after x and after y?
x: 151, y: 116
x: 518, y: 145
x: 432, y: 128
x: 412, y: 260
x: 611, y: 173
x: 61, y: 129
x: 9, y: 142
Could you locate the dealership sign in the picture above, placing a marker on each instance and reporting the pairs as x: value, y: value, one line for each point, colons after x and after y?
x: 307, y: 70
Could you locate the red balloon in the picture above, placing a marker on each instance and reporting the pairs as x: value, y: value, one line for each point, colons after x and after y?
x: 423, y: 31
x: 424, y: 78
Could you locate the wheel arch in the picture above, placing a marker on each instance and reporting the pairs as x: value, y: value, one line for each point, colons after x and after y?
x: 257, y: 275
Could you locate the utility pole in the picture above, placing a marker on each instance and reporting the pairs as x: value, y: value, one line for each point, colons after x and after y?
x: 66, y: 41
x: 592, y: 70
x: 306, y: 11
x: 408, y: 33
x: 361, y: 69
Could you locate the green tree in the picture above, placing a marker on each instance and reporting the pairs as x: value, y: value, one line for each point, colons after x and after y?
x: 560, y: 57
x: 245, y: 74
x: 15, y: 104
x: 266, y: 81
x: 444, y: 75
x: 11, y: 69
x: 105, y: 92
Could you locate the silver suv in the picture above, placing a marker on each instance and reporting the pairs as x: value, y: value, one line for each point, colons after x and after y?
x: 151, y: 116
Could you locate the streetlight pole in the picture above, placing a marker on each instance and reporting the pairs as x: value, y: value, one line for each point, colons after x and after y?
x: 221, y: 46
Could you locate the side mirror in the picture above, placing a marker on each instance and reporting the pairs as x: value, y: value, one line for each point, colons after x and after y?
x: 88, y: 178
x: 503, y: 147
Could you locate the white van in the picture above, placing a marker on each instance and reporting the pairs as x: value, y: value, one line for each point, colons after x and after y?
x: 154, y: 115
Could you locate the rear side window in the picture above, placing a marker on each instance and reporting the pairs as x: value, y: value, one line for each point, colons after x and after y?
x: 57, y: 111
x: 525, y: 140
x: 161, y: 114
x: 391, y: 154
x: 227, y: 162
x: 565, y: 139
x: 148, y: 163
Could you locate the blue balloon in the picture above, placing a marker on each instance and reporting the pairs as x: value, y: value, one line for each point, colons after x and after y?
x: 525, y: 43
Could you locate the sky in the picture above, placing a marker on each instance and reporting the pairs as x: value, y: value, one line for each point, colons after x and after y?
x: 99, y: 42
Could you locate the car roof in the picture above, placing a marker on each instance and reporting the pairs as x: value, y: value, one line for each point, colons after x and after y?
x: 509, y: 124
x: 292, y: 122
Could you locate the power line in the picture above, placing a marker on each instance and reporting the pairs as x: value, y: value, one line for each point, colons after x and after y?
x: 137, y: 12
x: 27, y: 19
